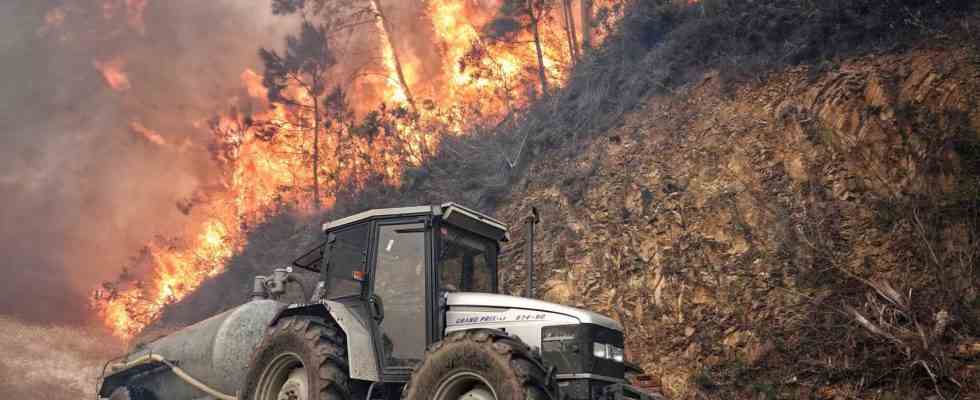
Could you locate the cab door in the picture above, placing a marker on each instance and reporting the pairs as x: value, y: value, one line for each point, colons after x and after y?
x: 399, y: 272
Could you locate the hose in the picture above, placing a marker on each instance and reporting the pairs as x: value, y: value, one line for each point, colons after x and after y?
x: 180, y: 374
x: 98, y: 386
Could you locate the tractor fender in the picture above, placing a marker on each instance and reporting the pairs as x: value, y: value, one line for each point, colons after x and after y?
x: 362, y: 358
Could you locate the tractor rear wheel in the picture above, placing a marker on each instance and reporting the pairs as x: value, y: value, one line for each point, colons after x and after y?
x: 300, y: 358
x: 480, y: 365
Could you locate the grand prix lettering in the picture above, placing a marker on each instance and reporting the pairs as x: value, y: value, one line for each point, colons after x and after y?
x: 482, y: 319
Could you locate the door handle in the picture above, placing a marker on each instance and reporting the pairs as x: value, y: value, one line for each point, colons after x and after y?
x: 377, y: 308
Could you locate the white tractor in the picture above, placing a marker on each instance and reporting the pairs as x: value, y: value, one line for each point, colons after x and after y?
x: 407, y: 306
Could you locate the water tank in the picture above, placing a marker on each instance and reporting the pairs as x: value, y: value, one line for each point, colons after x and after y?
x: 215, y: 351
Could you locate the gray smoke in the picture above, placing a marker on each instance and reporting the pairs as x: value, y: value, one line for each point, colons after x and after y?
x: 81, y: 189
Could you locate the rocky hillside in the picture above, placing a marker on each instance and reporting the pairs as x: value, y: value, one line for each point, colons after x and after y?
x: 812, y: 234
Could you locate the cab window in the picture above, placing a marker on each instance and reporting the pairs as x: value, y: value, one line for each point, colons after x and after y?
x: 466, y: 262
x: 349, y: 255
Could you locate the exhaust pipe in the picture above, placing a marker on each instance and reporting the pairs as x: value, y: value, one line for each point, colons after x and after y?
x: 529, y: 222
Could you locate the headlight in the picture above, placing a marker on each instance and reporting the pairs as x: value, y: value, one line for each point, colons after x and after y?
x: 601, y: 350
x: 561, y: 347
x: 617, y: 354
x: 607, y: 351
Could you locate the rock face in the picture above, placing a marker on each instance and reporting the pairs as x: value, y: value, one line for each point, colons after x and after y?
x: 732, y: 232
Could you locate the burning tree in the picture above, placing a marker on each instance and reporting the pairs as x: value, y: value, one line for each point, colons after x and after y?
x: 516, y: 16
x: 297, y: 79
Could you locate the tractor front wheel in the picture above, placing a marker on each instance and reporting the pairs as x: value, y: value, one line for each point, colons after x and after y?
x: 480, y: 365
x: 300, y: 358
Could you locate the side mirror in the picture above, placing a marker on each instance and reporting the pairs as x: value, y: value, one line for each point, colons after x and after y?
x: 377, y: 308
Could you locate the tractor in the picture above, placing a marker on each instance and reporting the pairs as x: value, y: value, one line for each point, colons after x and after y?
x: 406, y: 305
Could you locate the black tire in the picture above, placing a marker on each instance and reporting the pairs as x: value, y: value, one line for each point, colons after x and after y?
x: 491, y: 358
x: 131, y: 393
x: 311, y: 343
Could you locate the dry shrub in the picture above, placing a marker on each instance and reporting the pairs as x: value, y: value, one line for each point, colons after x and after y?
x: 906, y: 320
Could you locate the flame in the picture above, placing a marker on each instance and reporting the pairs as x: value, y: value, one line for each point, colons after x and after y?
x: 112, y: 73
x: 146, y: 133
x: 487, y: 80
x: 394, y: 92
x: 177, y: 273
x: 253, y: 84
x: 264, y: 156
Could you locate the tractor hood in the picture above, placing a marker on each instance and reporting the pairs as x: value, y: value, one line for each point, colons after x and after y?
x: 467, y: 299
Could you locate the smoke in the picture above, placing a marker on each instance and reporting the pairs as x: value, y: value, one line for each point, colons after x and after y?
x: 103, y: 132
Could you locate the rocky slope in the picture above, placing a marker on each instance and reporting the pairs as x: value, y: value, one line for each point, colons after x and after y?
x: 742, y: 233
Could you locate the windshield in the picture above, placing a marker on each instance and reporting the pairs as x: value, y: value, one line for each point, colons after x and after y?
x: 466, y: 262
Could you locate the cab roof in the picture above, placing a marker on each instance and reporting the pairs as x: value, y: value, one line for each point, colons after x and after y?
x: 452, y: 213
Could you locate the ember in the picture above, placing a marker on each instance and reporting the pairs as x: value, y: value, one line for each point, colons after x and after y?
x: 112, y: 72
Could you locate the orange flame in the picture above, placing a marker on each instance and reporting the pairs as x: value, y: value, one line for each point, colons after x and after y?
x: 177, y: 273
x: 112, y: 73
x: 146, y: 133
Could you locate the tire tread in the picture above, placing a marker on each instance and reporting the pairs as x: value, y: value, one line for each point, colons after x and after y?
x: 537, y: 380
x: 328, y: 348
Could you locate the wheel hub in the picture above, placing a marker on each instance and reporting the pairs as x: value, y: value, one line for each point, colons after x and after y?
x: 477, y: 394
x: 464, y: 385
x: 295, y: 387
x: 285, y: 378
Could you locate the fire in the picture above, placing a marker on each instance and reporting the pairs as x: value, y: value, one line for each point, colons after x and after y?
x: 394, y: 92
x: 177, y: 273
x: 487, y: 80
x: 146, y: 133
x: 263, y: 155
x: 112, y: 73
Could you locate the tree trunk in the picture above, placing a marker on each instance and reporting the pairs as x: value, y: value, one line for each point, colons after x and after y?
x: 537, y: 47
x: 316, y: 150
x: 394, y: 53
x: 566, y: 8
x: 586, y: 11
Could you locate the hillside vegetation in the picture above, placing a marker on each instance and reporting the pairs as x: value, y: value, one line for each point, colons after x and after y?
x: 779, y: 199
x: 813, y: 233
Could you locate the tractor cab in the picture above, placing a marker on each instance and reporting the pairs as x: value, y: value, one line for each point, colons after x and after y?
x: 393, y: 267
